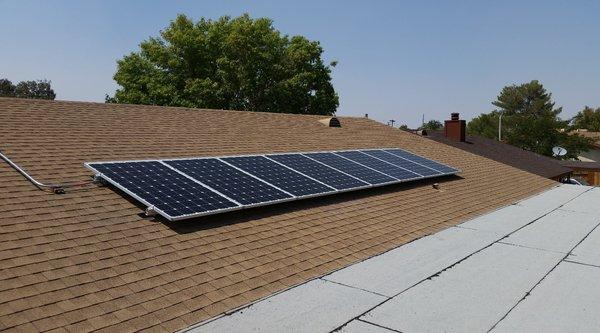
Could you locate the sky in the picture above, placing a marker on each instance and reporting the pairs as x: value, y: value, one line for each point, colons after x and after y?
x: 396, y: 59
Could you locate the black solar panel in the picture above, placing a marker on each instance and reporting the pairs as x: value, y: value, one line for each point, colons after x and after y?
x: 423, y: 161
x: 278, y: 175
x: 229, y: 181
x: 401, y: 162
x: 379, y: 165
x: 354, y: 169
x: 318, y: 171
x: 186, y: 188
x: 167, y: 190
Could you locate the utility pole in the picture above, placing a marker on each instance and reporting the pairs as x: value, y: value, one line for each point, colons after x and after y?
x: 391, y: 122
x: 500, y: 127
x: 423, y: 121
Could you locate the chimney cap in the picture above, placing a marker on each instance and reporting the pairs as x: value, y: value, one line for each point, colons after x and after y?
x: 454, y: 115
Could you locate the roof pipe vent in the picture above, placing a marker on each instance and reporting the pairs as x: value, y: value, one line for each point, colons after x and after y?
x: 331, y: 122
x: 334, y: 122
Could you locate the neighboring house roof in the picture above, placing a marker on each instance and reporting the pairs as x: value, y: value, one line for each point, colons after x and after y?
x: 580, y: 165
x: 498, y: 151
x: 88, y: 260
x: 592, y: 135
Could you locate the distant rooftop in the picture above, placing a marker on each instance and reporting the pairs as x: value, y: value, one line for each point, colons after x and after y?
x: 581, y: 165
x: 589, y: 134
x: 498, y: 151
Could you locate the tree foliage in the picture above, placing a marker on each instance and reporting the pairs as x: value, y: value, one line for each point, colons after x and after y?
x: 240, y: 63
x: 486, y: 125
x: 7, y: 88
x: 40, y: 89
x: 529, y: 121
x: 588, y: 119
x: 433, y: 125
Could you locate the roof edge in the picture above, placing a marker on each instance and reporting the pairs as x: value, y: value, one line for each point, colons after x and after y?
x: 182, y: 108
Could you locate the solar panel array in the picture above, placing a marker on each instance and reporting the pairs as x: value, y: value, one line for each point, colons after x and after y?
x: 185, y: 188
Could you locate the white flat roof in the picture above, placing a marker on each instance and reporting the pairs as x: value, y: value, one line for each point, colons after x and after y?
x: 528, y: 266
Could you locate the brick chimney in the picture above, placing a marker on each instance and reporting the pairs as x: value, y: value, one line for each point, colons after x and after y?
x: 455, y: 128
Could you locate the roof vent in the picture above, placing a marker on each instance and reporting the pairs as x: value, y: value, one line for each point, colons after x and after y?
x: 334, y: 122
x: 331, y: 122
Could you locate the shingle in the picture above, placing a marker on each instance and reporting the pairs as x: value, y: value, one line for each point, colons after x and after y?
x: 89, y: 259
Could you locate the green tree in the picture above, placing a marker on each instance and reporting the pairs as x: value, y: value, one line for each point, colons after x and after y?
x: 7, y: 88
x: 588, y: 118
x: 529, y: 121
x: 240, y: 63
x: 40, y: 89
x: 485, y: 125
x: 433, y: 125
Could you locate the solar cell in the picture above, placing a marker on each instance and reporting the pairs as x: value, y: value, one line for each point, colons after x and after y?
x: 379, y: 165
x: 185, y: 188
x: 318, y: 171
x: 354, y: 169
x: 167, y: 190
x: 401, y: 162
x: 422, y: 160
x: 229, y: 181
x: 278, y: 175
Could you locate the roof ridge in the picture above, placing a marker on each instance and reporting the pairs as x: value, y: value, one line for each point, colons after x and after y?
x: 183, y: 108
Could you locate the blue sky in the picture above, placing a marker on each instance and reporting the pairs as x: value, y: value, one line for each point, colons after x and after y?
x: 397, y: 59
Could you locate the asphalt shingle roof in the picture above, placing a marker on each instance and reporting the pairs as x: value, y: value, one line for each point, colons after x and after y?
x: 591, y: 135
x: 87, y: 260
x: 504, y: 153
x: 578, y: 165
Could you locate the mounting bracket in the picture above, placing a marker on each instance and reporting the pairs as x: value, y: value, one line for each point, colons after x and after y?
x: 98, y: 180
x: 150, y: 211
x: 58, y: 190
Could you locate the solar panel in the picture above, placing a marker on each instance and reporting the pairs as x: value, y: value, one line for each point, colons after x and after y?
x: 379, y: 165
x: 422, y: 160
x: 354, y: 169
x: 229, y: 181
x: 185, y: 188
x: 401, y: 162
x: 278, y: 175
x: 318, y: 171
x: 155, y: 184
